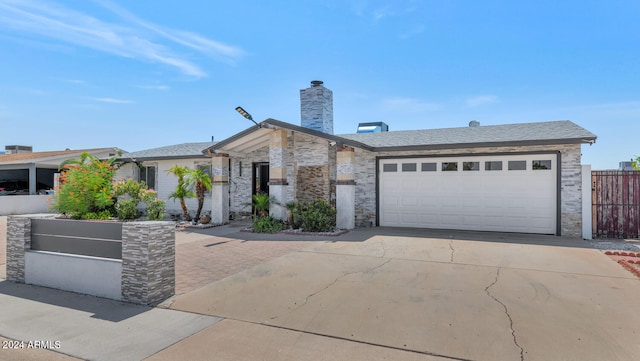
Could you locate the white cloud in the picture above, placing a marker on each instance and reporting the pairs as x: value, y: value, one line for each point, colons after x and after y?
x: 481, y: 100
x: 155, y: 87
x: 113, y: 100
x: 409, y: 105
x: 132, y: 37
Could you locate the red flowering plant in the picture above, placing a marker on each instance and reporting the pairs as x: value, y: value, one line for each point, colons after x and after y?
x: 86, y: 188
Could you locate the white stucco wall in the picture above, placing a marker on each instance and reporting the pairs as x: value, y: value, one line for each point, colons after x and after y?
x: 24, y: 204
x: 166, y: 183
x: 83, y: 274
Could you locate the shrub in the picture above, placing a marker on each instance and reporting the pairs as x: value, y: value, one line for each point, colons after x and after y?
x: 267, y: 224
x: 127, y: 209
x: 315, y: 216
x: 85, y: 187
x: 102, y: 215
x: 130, y: 193
x: 155, y: 210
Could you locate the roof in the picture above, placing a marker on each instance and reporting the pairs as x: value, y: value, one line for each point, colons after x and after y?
x: 176, y: 151
x: 555, y: 132
x: 256, y: 137
x: 52, y: 157
x: 541, y: 133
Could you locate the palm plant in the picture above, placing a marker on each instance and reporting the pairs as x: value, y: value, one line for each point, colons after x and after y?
x: 182, y: 190
x: 261, y: 202
x: 201, y: 182
x: 291, y: 206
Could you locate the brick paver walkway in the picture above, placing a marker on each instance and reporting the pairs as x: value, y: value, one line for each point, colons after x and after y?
x: 204, y: 260
x: 208, y: 260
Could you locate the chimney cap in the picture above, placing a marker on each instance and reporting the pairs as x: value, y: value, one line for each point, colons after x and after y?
x: 316, y: 82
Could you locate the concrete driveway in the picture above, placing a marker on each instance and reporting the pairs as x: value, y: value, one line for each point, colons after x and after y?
x: 422, y: 295
x: 371, y: 294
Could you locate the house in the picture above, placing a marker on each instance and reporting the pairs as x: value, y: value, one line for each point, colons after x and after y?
x: 26, y: 177
x: 152, y: 165
x: 511, y: 178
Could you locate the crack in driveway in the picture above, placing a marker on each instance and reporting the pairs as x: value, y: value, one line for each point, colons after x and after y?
x: 384, y: 249
x: 306, y: 300
x: 453, y: 251
x: 506, y: 311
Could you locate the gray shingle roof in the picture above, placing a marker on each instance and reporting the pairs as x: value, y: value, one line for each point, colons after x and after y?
x: 555, y: 132
x: 184, y: 150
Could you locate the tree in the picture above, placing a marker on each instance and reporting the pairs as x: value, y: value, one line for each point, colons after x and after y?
x: 201, y: 182
x: 636, y: 163
x: 182, y: 190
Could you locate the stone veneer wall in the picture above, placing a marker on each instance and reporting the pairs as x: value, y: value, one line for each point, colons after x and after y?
x: 148, y: 258
x: 571, y: 181
x: 311, y: 172
x: 148, y: 261
x: 313, y: 169
x: 18, y: 243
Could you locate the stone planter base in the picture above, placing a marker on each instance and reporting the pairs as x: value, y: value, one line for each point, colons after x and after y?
x: 130, y: 261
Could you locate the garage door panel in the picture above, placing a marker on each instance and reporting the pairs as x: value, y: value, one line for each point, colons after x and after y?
x: 499, y: 200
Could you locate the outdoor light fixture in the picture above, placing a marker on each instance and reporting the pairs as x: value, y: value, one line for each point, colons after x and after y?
x: 246, y: 115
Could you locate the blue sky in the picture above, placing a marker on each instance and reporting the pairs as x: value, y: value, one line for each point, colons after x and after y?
x: 140, y: 74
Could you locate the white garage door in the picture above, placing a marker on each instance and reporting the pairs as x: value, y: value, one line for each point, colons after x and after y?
x: 514, y: 193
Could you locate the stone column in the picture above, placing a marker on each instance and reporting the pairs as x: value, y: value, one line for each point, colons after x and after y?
x: 345, y: 188
x: 278, y: 173
x: 220, y: 188
x: 18, y: 242
x: 148, y: 261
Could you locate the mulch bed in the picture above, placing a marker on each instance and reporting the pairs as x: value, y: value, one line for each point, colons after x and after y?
x: 296, y: 232
x: 629, y: 260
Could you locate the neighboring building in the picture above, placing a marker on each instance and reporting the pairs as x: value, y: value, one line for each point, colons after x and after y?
x: 152, y: 165
x: 626, y: 165
x: 28, y: 178
x: 25, y: 172
x: 510, y: 178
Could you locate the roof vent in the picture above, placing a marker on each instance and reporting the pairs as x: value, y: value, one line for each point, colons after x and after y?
x: 373, y: 127
x: 316, y: 82
x: 474, y: 123
x: 13, y: 149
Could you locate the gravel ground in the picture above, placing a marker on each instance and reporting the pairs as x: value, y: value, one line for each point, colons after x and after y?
x: 616, y: 244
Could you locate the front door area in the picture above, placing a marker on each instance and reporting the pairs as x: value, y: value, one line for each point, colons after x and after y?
x: 260, y: 178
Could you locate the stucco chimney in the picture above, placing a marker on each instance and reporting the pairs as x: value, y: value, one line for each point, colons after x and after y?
x: 316, y: 107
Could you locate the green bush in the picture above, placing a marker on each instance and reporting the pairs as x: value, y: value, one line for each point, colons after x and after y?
x: 127, y: 209
x: 130, y: 193
x: 267, y: 224
x: 102, y: 215
x: 155, y: 210
x: 315, y: 216
x: 85, y: 187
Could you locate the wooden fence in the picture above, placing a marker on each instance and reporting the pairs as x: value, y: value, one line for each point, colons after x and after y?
x: 616, y: 203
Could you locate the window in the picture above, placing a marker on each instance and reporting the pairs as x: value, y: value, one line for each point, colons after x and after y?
x: 148, y: 175
x: 493, y: 165
x: 470, y: 166
x: 429, y: 167
x: 408, y: 167
x: 449, y: 166
x: 541, y: 164
x: 517, y: 165
x: 390, y: 167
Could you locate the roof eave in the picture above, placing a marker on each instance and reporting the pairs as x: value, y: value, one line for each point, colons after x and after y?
x: 277, y: 124
x: 136, y: 159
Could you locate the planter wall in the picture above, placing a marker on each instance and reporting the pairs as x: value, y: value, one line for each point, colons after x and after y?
x: 131, y: 261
